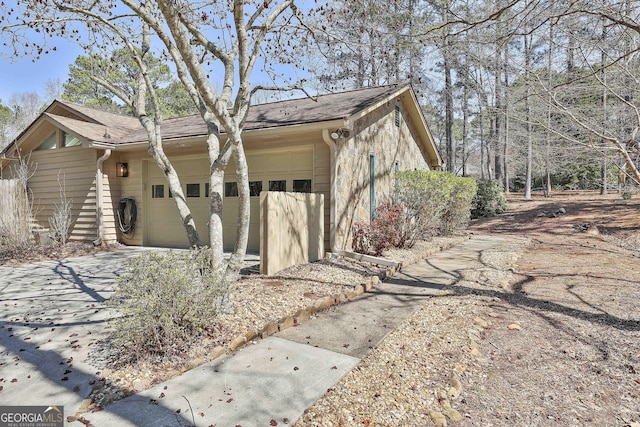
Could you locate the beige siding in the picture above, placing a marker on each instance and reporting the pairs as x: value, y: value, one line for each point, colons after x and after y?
x: 120, y: 188
x: 76, y: 168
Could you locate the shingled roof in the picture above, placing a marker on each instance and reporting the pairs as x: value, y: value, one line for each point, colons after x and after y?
x: 283, y: 113
x: 95, y: 125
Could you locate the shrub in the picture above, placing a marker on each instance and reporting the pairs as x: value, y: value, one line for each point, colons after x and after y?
x: 166, y: 300
x: 60, y: 222
x: 17, y: 212
x: 388, y: 229
x: 438, y: 202
x: 457, y: 212
x: 425, y: 203
x: 489, y: 200
x: 626, y: 195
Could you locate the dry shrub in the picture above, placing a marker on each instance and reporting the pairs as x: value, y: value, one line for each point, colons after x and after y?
x: 166, y: 301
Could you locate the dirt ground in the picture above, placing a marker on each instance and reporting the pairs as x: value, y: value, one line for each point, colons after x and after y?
x: 574, y: 357
x: 543, y: 330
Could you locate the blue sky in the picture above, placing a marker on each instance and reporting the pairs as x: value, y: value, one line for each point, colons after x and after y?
x: 24, y: 75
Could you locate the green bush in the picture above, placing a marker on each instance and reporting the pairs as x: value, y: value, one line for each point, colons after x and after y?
x: 457, y: 213
x: 438, y: 202
x: 425, y: 204
x: 627, y: 195
x: 489, y: 200
x: 166, y: 300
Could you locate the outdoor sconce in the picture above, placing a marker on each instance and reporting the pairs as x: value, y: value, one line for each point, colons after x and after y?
x: 122, y: 170
x: 339, y: 133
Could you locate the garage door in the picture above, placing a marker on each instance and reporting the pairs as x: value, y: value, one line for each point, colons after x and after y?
x: 283, y: 170
x: 165, y: 225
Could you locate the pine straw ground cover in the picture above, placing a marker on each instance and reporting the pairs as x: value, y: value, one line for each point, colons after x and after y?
x: 542, y: 331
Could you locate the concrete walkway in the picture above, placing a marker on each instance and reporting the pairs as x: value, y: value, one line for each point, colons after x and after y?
x: 279, y: 377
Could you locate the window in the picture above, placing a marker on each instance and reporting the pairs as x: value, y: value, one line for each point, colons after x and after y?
x: 71, y: 140
x: 255, y: 187
x: 206, y: 189
x: 302, y: 185
x: 48, y: 144
x: 193, y: 190
x: 278, y: 185
x: 157, y: 191
x: 230, y: 189
x: 397, y: 116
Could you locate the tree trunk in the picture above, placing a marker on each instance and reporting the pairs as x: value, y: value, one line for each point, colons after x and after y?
x: 603, y: 168
x: 527, y: 100
x: 242, y: 233
x: 547, y: 156
x: 505, y: 144
x: 498, y: 159
x: 173, y: 181
x: 465, y: 118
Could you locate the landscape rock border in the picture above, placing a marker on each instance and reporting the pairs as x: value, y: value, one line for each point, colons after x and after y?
x: 322, y: 304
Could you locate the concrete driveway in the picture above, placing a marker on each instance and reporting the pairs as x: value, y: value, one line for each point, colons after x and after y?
x: 51, y: 317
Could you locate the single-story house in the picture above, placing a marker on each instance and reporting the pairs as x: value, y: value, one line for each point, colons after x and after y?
x: 346, y: 146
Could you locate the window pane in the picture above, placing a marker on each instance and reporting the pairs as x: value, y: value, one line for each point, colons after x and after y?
x: 49, y: 143
x: 157, y: 191
x: 70, y: 140
x: 255, y: 187
x: 279, y: 185
x: 302, y: 185
x: 193, y: 190
x: 206, y: 189
x: 230, y: 189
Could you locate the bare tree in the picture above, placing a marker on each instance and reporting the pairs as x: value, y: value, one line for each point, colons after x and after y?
x: 202, y: 40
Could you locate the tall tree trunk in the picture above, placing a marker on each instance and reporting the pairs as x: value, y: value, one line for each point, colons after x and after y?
x: 547, y: 154
x: 448, y: 89
x: 465, y: 118
x: 497, y: 149
x: 603, y: 167
x: 505, y: 144
x: 528, y: 118
x: 242, y: 235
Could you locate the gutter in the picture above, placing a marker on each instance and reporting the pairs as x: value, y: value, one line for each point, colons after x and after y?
x: 99, y: 196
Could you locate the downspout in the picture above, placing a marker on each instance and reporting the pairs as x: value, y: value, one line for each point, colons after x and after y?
x: 332, y: 203
x: 100, y: 196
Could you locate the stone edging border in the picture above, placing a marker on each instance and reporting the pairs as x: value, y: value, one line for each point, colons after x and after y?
x: 323, y: 303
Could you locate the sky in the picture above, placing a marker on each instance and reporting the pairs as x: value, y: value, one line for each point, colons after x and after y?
x: 24, y: 75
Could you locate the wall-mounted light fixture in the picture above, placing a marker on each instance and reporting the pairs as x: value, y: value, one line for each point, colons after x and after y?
x: 339, y: 133
x: 122, y: 170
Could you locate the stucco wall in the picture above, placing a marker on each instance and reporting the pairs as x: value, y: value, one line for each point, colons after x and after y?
x: 291, y: 229
x: 376, y: 134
